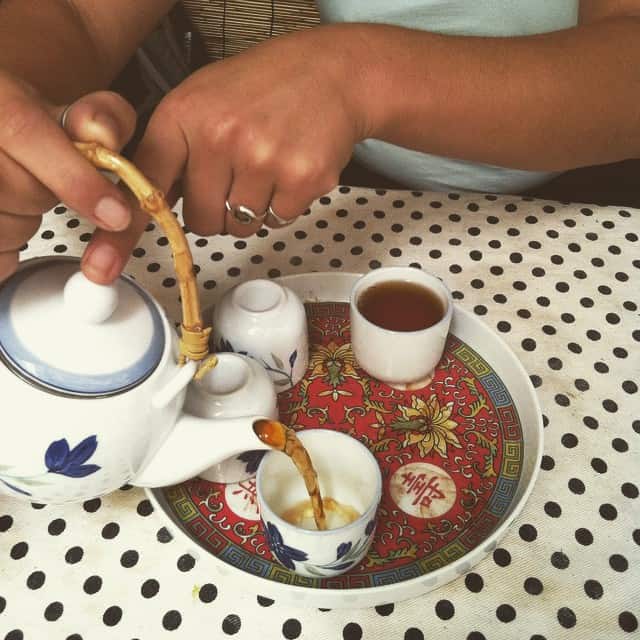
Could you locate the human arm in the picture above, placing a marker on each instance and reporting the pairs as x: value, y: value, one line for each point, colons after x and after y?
x: 276, y: 124
x: 546, y: 102
x: 51, y: 54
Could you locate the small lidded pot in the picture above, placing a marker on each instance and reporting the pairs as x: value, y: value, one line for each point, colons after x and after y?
x: 237, y: 386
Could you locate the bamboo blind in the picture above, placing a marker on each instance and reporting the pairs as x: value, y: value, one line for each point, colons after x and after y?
x: 231, y: 26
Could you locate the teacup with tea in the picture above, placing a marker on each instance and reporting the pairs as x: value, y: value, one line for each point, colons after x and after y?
x: 319, y: 519
x: 400, y: 318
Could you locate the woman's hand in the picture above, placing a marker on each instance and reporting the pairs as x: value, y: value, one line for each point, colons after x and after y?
x: 39, y: 165
x: 272, y: 127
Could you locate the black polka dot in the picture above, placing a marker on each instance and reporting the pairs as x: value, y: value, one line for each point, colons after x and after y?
x: 413, y: 634
x: 584, y: 536
x: 529, y: 344
x: 163, y: 535
x: 352, y: 631
x: 502, y: 557
x: 129, y: 558
x: 620, y: 445
x: 150, y: 588
x: 533, y: 586
x: 110, y: 530
x: 628, y: 622
x: 144, y: 508
x: 36, y: 579
x: 444, y: 609
x: 14, y: 634
x: 385, y: 609
x: 475, y: 255
x: 91, y: 506
x: 569, y: 440
x: 92, y: 585
x: 171, y: 620
x: 53, y: 611
x: 559, y: 560
x: 593, y: 589
x: 562, y: 400
x: 74, y: 555
x: 112, y: 616
x: 503, y: 326
x: 608, y: 511
x: 505, y: 613
x: 209, y: 592
x: 6, y: 522
x: 264, y: 602
x: 19, y: 550
x: 56, y: 527
x: 629, y: 490
x: 186, y: 562
x: 574, y: 347
x: 566, y: 617
x: 528, y: 532
x: 474, y: 582
x: 476, y: 635
x: 231, y: 624
x: 291, y: 629
x: 598, y: 465
x: 618, y: 563
x: 576, y: 486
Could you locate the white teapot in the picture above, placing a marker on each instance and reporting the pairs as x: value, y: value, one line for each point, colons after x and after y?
x: 93, y: 378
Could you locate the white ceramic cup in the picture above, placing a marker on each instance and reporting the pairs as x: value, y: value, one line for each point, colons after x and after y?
x: 266, y: 321
x: 402, y: 359
x: 347, y: 472
x: 237, y: 386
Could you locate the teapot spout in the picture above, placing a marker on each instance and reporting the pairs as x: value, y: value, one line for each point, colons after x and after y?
x: 196, y: 444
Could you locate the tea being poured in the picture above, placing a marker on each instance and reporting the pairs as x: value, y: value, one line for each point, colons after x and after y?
x: 317, y: 512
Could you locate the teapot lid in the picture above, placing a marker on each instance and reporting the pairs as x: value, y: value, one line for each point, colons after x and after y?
x: 71, y: 336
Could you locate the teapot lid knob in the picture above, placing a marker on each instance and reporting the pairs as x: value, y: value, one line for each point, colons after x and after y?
x: 88, y: 301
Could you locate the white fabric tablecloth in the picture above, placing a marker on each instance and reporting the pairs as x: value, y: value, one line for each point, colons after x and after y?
x: 558, y: 282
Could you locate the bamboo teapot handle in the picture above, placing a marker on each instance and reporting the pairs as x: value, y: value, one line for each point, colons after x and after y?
x: 194, y: 340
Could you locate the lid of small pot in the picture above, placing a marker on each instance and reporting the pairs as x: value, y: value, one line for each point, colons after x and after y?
x: 62, y: 332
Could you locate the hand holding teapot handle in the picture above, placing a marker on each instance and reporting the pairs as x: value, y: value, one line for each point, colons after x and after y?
x: 194, y: 341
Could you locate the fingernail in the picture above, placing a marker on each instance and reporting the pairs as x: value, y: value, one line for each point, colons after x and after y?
x: 101, y: 262
x: 112, y: 214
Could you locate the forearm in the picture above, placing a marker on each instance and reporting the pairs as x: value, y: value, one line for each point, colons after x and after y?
x: 545, y: 102
x: 67, y: 48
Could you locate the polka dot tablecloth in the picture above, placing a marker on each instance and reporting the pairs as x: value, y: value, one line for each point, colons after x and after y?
x: 558, y: 282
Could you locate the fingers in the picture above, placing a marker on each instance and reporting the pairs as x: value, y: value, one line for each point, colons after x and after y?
x: 31, y: 137
x: 103, y: 117
x: 206, y: 185
x: 160, y: 157
x: 20, y: 192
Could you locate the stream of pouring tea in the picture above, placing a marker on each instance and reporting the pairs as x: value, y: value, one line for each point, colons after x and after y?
x: 284, y: 439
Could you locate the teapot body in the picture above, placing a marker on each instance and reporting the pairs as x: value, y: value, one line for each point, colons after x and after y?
x: 58, y: 448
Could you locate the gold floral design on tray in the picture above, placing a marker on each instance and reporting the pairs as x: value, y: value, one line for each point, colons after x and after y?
x: 428, y: 425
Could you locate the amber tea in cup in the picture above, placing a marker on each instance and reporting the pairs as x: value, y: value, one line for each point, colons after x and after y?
x: 400, y: 318
x: 398, y: 305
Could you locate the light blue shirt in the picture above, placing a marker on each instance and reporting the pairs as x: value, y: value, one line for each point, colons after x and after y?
x: 498, y: 18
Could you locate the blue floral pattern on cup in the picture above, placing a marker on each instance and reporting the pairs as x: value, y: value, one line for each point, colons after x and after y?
x: 251, y: 459
x: 285, y: 554
x: 59, y: 459
x: 277, y: 367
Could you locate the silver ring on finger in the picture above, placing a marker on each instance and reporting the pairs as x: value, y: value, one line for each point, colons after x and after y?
x: 278, y: 221
x: 242, y: 214
x: 63, y: 116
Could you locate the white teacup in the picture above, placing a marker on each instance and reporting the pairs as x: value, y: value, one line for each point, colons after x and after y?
x: 347, y: 472
x: 266, y: 321
x: 402, y: 359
